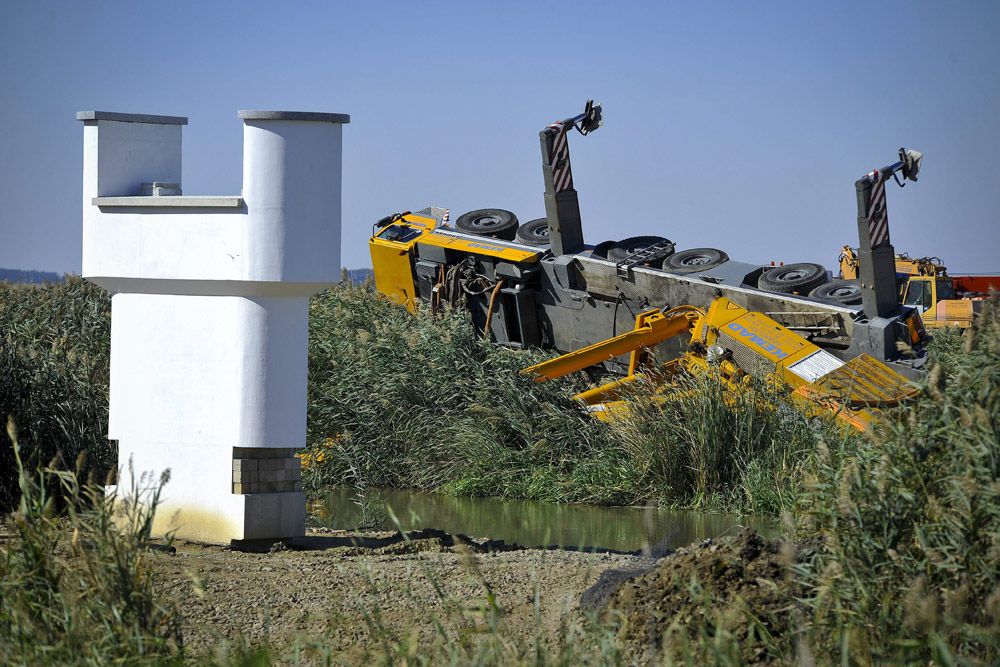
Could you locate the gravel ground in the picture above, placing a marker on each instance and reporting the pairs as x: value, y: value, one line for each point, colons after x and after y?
x: 323, y: 586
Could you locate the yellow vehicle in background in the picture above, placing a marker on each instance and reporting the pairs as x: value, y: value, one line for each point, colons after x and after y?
x: 924, y: 283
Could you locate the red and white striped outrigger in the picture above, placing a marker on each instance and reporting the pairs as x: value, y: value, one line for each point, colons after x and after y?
x: 877, y: 277
x: 562, y: 208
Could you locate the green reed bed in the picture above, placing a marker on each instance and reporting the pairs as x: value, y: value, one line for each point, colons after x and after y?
x: 422, y: 401
x: 54, y: 371
x: 892, y: 553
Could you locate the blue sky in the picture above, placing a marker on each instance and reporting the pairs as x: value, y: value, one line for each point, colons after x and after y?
x: 735, y: 125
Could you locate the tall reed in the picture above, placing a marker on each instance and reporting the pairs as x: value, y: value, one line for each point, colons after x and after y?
x: 910, y: 521
x: 54, y: 365
x: 77, y: 588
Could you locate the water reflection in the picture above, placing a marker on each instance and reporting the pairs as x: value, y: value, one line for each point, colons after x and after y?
x: 540, y: 524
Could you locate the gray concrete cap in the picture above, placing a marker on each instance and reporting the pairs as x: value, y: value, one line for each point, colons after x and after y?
x: 170, y: 201
x: 296, y: 115
x: 131, y: 117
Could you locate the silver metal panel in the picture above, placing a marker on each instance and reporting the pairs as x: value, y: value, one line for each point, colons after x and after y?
x: 751, y: 362
x: 815, y: 366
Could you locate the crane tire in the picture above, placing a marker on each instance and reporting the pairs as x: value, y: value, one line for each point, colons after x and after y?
x: 626, y: 247
x: 798, y: 278
x: 847, y: 292
x: 694, y: 260
x: 534, y: 232
x: 601, y: 249
x: 495, y: 222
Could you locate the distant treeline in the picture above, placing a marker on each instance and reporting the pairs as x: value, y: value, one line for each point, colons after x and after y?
x: 18, y: 276
x: 358, y: 276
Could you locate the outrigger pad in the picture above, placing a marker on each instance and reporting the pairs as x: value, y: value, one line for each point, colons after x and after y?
x: 864, y: 381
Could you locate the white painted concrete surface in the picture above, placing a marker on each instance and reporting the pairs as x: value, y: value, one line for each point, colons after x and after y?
x: 210, y: 310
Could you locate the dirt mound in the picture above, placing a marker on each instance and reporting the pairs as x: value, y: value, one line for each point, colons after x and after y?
x: 739, y: 585
x: 597, y: 597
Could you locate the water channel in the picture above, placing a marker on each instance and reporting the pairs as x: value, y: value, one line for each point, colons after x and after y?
x: 536, y: 524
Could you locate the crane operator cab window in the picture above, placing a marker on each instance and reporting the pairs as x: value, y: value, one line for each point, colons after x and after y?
x: 400, y: 233
x: 945, y: 290
x: 919, y: 295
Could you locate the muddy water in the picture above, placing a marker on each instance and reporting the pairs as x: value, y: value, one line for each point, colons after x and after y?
x: 534, y: 524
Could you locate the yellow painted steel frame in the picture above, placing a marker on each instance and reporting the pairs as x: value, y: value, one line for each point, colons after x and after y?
x: 821, y: 383
x: 651, y: 328
x: 484, y: 247
x: 758, y: 332
x: 862, y: 381
x: 848, y: 263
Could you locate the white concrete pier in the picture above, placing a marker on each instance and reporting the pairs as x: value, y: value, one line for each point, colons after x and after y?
x: 210, y: 311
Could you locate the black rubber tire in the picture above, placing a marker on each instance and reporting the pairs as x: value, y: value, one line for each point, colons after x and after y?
x: 626, y: 247
x: 534, y: 232
x: 798, y: 278
x: 694, y: 260
x: 495, y: 222
x: 847, y: 292
x: 601, y: 249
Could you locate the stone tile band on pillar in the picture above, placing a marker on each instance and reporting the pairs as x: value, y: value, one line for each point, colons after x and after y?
x: 210, y: 309
x: 266, y: 470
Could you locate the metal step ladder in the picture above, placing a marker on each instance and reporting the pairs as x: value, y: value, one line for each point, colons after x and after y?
x: 643, y: 256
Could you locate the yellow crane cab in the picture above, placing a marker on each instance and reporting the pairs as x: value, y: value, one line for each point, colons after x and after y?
x: 924, y: 283
x: 934, y: 296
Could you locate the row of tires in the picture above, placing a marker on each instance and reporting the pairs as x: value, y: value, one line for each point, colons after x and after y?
x: 809, y: 279
x: 804, y: 278
x: 501, y: 224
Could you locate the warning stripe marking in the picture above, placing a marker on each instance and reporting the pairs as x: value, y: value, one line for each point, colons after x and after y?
x: 878, y: 216
x: 562, y: 175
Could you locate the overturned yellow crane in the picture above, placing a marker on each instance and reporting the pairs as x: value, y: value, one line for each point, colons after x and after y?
x: 739, y: 346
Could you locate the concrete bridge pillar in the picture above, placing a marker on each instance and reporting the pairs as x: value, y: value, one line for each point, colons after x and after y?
x: 210, y: 311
